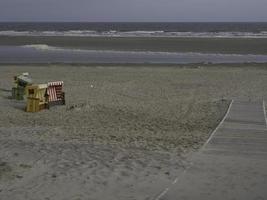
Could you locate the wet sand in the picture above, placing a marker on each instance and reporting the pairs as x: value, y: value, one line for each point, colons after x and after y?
x: 125, y: 132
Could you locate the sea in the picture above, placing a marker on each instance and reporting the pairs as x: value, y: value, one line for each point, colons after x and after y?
x: 43, y: 53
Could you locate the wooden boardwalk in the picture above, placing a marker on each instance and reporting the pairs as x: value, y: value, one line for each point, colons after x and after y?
x: 232, y: 164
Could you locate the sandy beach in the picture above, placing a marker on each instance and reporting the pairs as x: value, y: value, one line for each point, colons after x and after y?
x: 124, y: 133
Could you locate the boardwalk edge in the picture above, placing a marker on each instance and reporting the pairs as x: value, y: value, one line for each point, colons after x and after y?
x: 219, y: 125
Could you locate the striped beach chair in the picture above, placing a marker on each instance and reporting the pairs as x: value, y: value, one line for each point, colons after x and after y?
x: 55, y: 94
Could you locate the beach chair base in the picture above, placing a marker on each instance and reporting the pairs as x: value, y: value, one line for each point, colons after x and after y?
x: 18, y: 93
x: 58, y: 102
x: 34, y: 105
x: 55, y: 103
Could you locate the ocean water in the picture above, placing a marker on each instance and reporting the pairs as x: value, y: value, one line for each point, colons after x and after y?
x: 48, y: 54
x: 43, y: 53
x: 227, y: 30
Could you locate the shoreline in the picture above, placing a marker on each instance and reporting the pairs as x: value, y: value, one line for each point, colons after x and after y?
x: 157, y: 65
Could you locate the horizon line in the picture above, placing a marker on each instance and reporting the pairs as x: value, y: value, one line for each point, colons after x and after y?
x: 59, y: 21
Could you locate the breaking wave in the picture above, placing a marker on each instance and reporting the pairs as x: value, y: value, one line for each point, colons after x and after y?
x: 44, y: 47
x: 113, y: 33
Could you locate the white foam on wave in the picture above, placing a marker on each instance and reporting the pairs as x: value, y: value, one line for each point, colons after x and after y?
x: 159, y: 33
x: 42, y: 47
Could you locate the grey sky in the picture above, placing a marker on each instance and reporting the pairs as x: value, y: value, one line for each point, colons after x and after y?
x: 133, y: 10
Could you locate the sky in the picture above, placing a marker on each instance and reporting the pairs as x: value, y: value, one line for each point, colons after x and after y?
x: 133, y: 10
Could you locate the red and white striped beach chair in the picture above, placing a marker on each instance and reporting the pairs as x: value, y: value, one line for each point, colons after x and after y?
x: 55, y: 94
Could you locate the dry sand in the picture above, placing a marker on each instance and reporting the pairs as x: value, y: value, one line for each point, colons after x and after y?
x: 125, y: 132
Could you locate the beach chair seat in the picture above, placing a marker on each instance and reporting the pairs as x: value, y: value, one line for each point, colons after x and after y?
x: 55, y: 94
